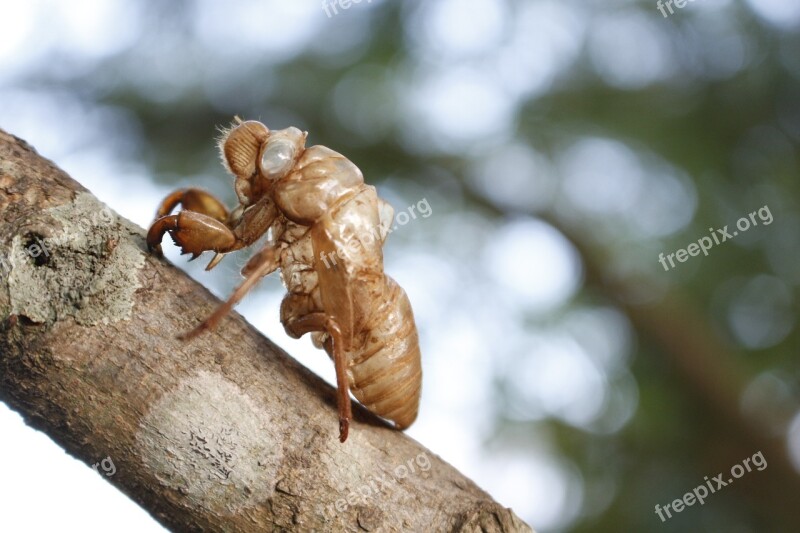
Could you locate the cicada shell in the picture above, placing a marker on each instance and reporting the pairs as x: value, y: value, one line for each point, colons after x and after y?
x: 327, y: 229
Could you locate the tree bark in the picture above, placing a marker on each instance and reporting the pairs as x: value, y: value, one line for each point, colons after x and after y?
x: 223, y: 433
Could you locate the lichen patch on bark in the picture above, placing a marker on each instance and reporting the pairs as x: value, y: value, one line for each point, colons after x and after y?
x: 77, y: 260
x: 210, y: 441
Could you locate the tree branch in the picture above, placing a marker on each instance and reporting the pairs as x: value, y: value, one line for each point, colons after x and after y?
x: 224, y: 433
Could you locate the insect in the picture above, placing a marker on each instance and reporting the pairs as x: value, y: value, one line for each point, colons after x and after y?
x: 311, y: 203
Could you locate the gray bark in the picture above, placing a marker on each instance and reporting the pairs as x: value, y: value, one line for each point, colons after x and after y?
x: 223, y: 433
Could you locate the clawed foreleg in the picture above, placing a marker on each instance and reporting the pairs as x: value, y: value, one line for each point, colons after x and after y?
x: 193, y: 232
x: 205, y: 225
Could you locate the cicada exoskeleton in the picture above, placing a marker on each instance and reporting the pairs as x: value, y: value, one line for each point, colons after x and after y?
x: 314, y: 204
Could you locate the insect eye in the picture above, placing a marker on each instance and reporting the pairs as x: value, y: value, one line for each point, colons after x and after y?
x: 278, y: 158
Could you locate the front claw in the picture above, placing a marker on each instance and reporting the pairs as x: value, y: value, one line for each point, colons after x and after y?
x: 156, y: 233
x: 193, y: 232
x: 195, y: 200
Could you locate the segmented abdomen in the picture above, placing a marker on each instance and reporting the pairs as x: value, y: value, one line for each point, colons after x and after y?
x: 386, y: 374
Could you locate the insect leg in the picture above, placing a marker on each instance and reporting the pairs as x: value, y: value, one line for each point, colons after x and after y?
x: 297, y: 327
x: 193, y: 232
x: 197, y: 232
x: 340, y: 363
x: 195, y: 200
x: 270, y: 261
x: 248, y: 225
x: 320, y: 322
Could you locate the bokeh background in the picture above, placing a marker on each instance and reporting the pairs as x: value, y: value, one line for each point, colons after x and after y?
x: 561, y: 145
